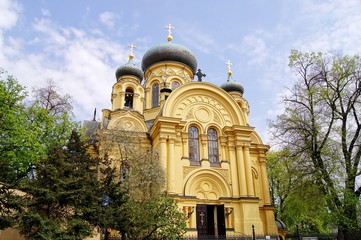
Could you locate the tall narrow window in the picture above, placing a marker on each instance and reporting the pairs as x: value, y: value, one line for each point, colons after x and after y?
x: 175, y: 85
x: 155, y: 95
x: 193, y: 141
x: 128, y: 100
x: 212, y: 145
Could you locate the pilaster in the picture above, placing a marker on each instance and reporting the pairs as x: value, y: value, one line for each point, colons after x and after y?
x: 235, y: 174
x: 248, y: 170
x: 171, y: 166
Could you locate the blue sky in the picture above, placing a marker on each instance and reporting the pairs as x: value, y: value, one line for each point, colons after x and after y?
x: 79, y: 44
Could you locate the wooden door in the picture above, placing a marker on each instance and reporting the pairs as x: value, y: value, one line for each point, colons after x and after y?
x: 202, y: 223
x: 221, y: 223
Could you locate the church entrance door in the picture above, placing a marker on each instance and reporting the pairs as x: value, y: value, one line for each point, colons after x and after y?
x: 210, y: 221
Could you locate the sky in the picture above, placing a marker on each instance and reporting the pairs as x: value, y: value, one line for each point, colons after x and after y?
x: 80, y: 44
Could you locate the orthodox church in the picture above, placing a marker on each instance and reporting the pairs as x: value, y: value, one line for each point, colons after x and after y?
x: 215, y: 162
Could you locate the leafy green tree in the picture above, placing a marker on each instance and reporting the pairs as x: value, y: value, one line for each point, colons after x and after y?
x: 297, y: 198
x: 321, y: 126
x: 17, y: 146
x: 27, y: 131
x: 61, y: 200
x: 156, y: 217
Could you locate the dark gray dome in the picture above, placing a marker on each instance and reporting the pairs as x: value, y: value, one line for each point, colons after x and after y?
x: 169, y: 52
x: 129, y: 69
x: 232, y: 86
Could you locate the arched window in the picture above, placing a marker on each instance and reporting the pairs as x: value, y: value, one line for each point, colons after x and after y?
x: 193, y: 141
x: 212, y: 145
x: 155, y: 95
x: 175, y: 85
x: 128, y: 100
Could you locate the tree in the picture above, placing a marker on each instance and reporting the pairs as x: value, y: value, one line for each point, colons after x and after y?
x: 17, y: 146
x: 321, y: 126
x: 61, y: 200
x: 297, y: 199
x: 133, y: 179
x: 27, y: 131
x: 155, y: 218
x: 50, y: 98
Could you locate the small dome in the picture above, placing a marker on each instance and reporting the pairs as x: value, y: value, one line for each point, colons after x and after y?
x: 232, y: 86
x: 169, y: 52
x: 129, y: 69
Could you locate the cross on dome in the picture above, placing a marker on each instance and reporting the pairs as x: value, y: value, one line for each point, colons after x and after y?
x: 170, y: 29
x: 131, y: 50
x: 229, y: 64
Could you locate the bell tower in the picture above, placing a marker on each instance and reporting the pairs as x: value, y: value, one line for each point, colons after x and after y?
x: 127, y: 92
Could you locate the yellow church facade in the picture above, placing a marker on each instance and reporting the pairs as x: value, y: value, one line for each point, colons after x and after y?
x: 215, y: 162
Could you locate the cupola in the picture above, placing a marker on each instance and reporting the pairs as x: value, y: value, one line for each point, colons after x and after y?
x: 231, y: 85
x: 168, y: 52
x: 129, y: 68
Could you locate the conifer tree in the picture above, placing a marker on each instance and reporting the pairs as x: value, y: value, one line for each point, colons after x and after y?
x: 61, y: 199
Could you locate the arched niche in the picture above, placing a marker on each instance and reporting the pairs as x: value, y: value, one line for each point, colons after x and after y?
x: 206, y: 184
x: 127, y: 122
x: 205, y: 103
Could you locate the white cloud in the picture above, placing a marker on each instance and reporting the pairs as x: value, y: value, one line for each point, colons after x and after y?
x: 54, y: 36
x: 45, y: 12
x: 80, y: 62
x: 256, y: 49
x: 332, y: 25
x: 195, y: 38
x: 107, y: 18
x: 9, y: 11
x: 318, y: 26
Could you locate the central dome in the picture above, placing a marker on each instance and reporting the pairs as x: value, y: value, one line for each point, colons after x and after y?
x: 169, y: 52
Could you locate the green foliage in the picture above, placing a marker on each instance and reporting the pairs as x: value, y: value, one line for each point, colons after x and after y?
x: 154, y: 218
x: 61, y: 200
x: 17, y: 146
x: 27, y: 132
x: 297, y: 198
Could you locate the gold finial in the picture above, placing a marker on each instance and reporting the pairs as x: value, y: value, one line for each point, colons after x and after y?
x: 131, y: 50
x: 169, y: 28
x: 229, y: 64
